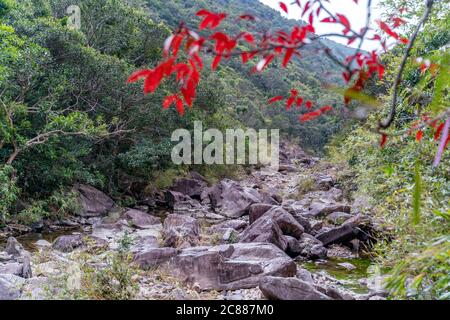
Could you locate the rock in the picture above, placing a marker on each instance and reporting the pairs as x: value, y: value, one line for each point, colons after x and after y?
x: 231, y: 200
x: 276, y: 288
x: 68, y: 243
x: 344, y: 233
x: 264, y: 230
x: 320, y: 209
x: 180, y: 230
x: 287, y: 168
x: 26, y: 266
x: 42, y: 243
x: 256, y: 210
x: 195, y: 209
x: 36, y: 288
x: 94, y: 203
x: 304, y: 275
x: 323, y: 182
x: 338, y: 217
x: 285, y: 221
x: 141, y: 220
x: 334, y: 293
x: 307, y: 246
x: 190, y: 187
x: 376, y: 298
x: 154, y: 257
x: 347, y: 265
x: 234, y: 224
x: 14, y: 268
x: 13, y: 247
x: 231, y: 267
x: 173, y: 197
x: 10, y: 286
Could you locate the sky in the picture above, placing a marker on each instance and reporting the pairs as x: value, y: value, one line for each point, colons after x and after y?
x: 356, y: 13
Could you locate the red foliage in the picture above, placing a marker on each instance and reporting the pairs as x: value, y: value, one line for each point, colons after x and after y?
x: 264, y: 48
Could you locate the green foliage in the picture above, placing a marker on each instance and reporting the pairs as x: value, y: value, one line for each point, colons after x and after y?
x: 8, y: 191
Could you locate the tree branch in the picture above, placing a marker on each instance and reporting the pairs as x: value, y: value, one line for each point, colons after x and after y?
x: 388, y: 121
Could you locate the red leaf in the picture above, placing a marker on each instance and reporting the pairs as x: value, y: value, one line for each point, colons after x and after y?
x: 289, y: 102
x: 245, y: 57
x: 419, y: 135
x: 283, y: 7
x: 343, y: 19
x: 308, y: 104
x: 216, y: 62
x: 308, y: 4
x: 275, y: 99
x: 438, y: 132
x: 169, y: 100
x: 294, y: 92
x: 380, y: 69
x: 179, y: 106
x: 299, y: 102
x: 383, y: 140
x: 287, y: 56
x: 398, y: 22
x: 137, y: 75
x: 328, y: 20
x: 326, y: 108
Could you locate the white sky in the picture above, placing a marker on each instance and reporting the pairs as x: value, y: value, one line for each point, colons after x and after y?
x: 356, y: 13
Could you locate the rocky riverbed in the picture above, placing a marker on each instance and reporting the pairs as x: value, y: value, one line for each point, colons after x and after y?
x: 263, y: 237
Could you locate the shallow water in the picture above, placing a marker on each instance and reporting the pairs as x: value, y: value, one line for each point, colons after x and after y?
x: 28, y: 241
x: 349, y: 279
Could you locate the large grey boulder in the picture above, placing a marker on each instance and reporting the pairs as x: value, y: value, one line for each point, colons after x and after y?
x: 68, y: 243
x: 231, y: 267
x: 307, y: 246
x: 256, y: 210
x: 140, y: 219
x: 231, y: 200
x: 154, y: 257
x: 10, y: 286
x: 277, y: 288
x: 321, y: 209
x: 94, y: 203
x: 180, y: 231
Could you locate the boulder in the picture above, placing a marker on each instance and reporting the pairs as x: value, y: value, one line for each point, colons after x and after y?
x: 342, y: 234
x: 277, y: 288
x: 320, y: 209
x: 13, y: 247
x: 154, y: 257
x: 264, y: 230
x: 256, y: 210
x: 234, y: 224
x: 190, y: 187
x: 285, y: 221
x: 231, y: 267
x: 173, y: 197
x: 10, y: 286
x: 94, y: 203
x: 68, y: 243
x: 231, y: 200
x: 140, y: 219
x: 180, y: 230
x: 307, y: 246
